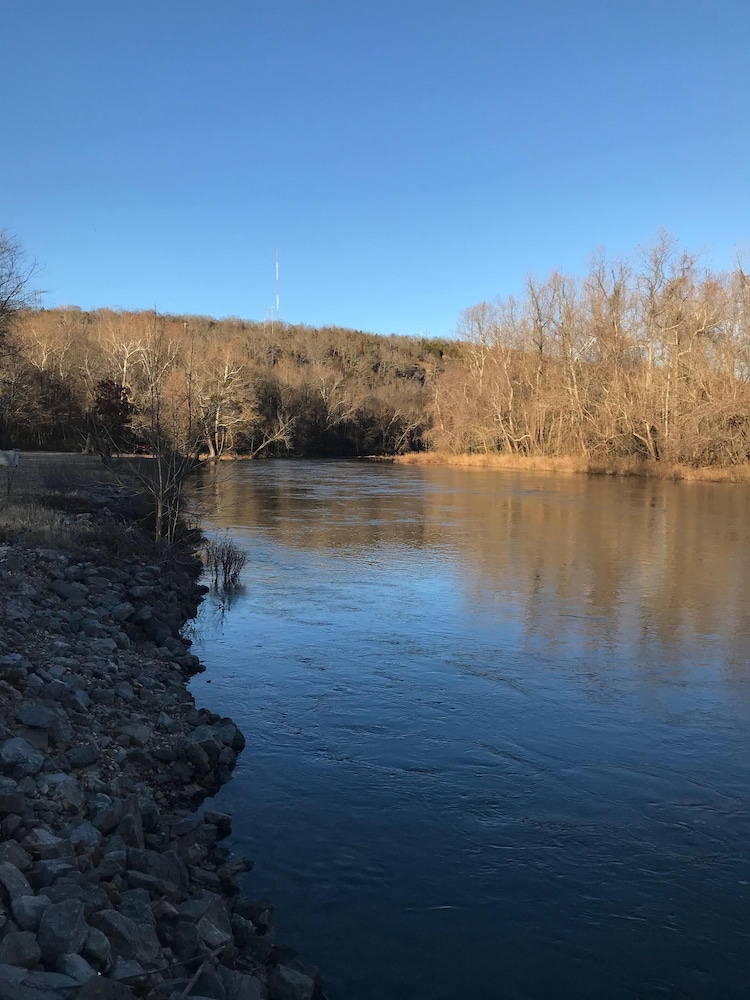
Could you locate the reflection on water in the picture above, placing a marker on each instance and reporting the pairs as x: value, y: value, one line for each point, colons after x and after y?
x: 496, y: 726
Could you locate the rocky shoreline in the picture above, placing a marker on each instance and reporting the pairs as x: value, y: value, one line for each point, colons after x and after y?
x: 111, y: 886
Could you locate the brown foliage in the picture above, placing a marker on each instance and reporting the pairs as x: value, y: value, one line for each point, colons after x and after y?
x: 640, y: 361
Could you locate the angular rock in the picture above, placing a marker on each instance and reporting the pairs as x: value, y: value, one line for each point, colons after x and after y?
x: 125, y: 691
x: 128, y: 939
x: 214, y: 927
x: 138, y: 733
x: 62, y: 930
x: 198, y: 757
x: 92, y: 896
x: 240, y: 986
x: 108, y: 817
x: 13, y: 883
x: 45, y: 873
x: 121, y: 612
x: 184, y: 940
x: 85, y: 836
x: 12, y: 802
x: 18, y: 984
x: 76, y: 967
x: 71, y: 794
x: 12, y: 851
x: 207, y: 738
x: 130, y: 827
x: 222, y: 822
x: 127, y: 968
x: 36, y: 716
x: 83, y: 756
x: 242, y: 931
x: 19, y: 758
x: 11, y: 982
x: 74, y: 592
x: 208, y: 984
x: 231, y: 735
x: 20, y: 948
x: 45, y: 845
x: 105, y: 989
x: 164, y: 865
x: 136, y: 905
x: 288, y: 984
x: 27, y: 911
x: 80, y: 701
x: 97, y: 949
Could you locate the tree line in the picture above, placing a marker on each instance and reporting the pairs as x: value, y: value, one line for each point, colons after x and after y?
x: 637, y: 360
x: 647, y: 358
x: 115, y: 381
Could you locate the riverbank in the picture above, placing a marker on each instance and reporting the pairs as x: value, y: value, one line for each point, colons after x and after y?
x: 111, y: 886
x: 583, y: 466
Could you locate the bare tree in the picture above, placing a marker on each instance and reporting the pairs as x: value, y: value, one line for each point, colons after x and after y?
x: 15, y: 274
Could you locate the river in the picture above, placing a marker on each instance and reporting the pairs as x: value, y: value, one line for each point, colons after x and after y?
x: 497, y: 726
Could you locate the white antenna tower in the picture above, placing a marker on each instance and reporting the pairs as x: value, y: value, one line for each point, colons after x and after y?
x: 271, y: 313
x: 277, y: 282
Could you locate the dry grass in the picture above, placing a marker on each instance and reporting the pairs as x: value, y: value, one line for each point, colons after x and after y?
x: 575, y: 465
x: 32, y: 520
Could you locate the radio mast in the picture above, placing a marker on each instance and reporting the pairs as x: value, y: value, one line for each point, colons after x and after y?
x: 277, y: 282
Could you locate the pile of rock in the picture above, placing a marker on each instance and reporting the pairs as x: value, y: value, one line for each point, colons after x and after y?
x: 111, y: 887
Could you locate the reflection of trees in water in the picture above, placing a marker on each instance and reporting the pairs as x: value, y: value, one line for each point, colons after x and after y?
x: 599, y: 560
x: 214, y: 611
x: 294, y: 501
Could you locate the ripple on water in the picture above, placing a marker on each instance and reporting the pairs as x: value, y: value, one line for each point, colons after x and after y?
x: 497, y: 729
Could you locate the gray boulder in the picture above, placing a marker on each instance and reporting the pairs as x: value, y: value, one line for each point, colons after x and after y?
x: 45, y: 845
x: 85, y: 836
x: 289, y: 984
x: 83, y: 756
x: 164, y: 865
x: 36, y: 716
x: 18, y: 758
x: 97, y: 949
x: 13, y: 883
x: 75, y: 967
x: 208, y: 738
x: 28, y: 910
x: 105, y: 989
x: 128, y: 939
x: 46, y: 873
x: 20, y: 948
x: 12, y: 851
x: 241, y: 986
x: 127, y: 968
x: 209, y: 985
x: 121, y: 612
x: 62, y: 930
x: 137, y: 732
x: 130, y: 827
x: 19, y: 984
x: 214, y: 927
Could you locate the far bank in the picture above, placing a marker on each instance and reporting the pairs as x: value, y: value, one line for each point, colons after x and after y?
x: 574, y: 465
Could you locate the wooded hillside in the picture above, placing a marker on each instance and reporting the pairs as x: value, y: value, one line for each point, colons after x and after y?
x: 648, y: 359
x: 110, y: 378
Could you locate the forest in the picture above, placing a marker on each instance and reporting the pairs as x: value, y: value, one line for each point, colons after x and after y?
x: 640, y: 359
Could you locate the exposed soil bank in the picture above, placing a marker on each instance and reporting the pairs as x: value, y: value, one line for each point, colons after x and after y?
x: 110, y: 886
x: 573, y: 465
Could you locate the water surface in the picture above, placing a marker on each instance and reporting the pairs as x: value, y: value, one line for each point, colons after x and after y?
x: 497, y: 727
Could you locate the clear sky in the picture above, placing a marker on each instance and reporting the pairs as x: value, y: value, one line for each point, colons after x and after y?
x: 408, y: 157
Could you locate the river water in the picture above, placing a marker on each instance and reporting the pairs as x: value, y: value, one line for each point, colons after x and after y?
x: 497, y: 727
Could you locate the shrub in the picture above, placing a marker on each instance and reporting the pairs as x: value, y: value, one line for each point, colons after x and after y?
x: 225, y: 561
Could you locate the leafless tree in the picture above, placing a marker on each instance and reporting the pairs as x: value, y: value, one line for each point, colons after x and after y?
x: 15, y: 273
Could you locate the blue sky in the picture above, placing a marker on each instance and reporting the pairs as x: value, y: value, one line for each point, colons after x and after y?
x: 408, y: 158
